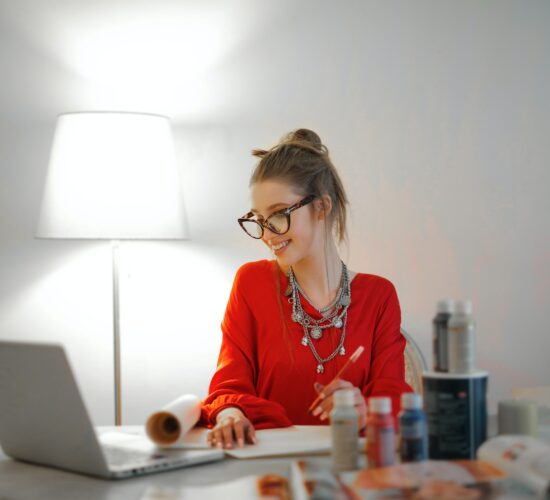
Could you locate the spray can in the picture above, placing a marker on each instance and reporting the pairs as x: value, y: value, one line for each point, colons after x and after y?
x: 439, y: 339
x: 413, y: 429
x: 380, y: 433
x: 345, y: 431
x: 461, y: 338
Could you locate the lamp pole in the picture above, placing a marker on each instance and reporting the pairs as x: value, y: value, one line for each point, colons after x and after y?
x: 116, y: 332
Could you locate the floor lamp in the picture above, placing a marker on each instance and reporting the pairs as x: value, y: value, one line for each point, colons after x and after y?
x: 113, y: 176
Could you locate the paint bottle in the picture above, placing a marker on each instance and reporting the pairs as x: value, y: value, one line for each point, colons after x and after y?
x: 413, y: 429
x: 344, y: 431
x: 462, y: 338
x: 380, y: 433
x: 439, y: 339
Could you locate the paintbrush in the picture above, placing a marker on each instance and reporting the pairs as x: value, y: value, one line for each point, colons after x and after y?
x: 352, y: 359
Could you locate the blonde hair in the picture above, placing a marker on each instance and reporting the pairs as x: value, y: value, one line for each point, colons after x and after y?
x: 302, y: 160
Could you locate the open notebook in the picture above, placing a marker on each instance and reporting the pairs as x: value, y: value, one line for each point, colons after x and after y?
x: 296, y: 440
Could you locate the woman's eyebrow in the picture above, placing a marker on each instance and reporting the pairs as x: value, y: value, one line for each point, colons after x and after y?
x: 272, y: 207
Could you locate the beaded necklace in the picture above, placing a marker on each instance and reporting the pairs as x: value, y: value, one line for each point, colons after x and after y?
x: 334, y: 315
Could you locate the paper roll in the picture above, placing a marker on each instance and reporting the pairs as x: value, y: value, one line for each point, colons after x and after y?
x: 518, y: 417
x: 169, y: 426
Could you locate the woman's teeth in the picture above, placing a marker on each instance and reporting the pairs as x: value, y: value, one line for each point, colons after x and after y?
x: 280, y: 245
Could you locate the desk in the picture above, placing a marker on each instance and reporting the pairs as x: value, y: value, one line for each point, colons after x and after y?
x: 21, y: 481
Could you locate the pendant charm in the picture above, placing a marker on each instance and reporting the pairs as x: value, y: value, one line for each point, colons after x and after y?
x: 316, y: 333
x: 304, y: 341
x: 337, y: 322
x: 342, y: 351
x: 296, y: 317
x: 288, y: 290
x: 345, y: 300
x: 320, y: 368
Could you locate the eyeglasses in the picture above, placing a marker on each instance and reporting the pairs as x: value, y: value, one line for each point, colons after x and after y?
x: 278, y: 222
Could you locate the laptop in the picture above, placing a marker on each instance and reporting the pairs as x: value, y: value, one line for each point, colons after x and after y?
x: 43, y: 420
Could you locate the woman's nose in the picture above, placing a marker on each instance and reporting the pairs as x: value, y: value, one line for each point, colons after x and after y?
x: 268, y: 236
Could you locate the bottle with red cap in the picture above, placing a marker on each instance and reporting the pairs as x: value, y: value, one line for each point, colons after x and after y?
x: 380, y: 433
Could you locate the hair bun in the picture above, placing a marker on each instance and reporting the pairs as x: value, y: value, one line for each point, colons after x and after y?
x: 307, y: 137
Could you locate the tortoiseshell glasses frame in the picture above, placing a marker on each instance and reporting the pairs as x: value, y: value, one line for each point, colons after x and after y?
x: 278, y: 222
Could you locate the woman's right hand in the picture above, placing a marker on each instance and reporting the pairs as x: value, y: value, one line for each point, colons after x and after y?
x: 231, y: 427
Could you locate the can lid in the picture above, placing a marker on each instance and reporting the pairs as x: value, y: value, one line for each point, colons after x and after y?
x: 380, y: 405
x: 411, y: 401
x: 464, y: 306
x: 445, y: 306
x: 344, y: 397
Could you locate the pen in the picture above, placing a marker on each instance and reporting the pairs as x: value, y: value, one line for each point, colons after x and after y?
x: 352, y: 359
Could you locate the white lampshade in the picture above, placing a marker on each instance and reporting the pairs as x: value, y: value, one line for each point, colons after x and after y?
x: 112, y: 175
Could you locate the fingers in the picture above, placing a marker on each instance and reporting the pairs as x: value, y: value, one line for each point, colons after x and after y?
x: 231, y: 430
x: 214, y: 438
x: 335, y: 385
x: 210, y: 439
x: 251, y: 434
x: 227, y: 433
x: 324, y: 408
x: 238, y: 428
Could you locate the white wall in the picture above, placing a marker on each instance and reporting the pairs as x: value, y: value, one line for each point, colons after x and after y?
x: 436, y: 113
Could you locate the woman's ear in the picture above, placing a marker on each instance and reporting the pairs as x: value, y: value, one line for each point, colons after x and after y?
x: 324, y: 205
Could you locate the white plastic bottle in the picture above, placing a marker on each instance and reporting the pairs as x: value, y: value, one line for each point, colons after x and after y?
x: 345, y: 431
x: 462, y: 338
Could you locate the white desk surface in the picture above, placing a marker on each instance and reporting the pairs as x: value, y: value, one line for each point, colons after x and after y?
x: 22, y: 481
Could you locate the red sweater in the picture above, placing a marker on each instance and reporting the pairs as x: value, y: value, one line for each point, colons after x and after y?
x: 264, y: 370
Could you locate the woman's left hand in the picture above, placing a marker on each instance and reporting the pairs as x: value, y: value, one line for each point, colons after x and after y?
x: 327, y: 403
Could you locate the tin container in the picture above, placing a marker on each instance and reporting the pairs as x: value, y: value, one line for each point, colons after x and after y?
x: 456, y: 411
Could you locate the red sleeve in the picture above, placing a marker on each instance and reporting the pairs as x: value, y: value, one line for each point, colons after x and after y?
x: 233, y: 384
x: 387, y: 371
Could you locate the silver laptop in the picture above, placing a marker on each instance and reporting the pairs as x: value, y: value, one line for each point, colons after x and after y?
x: 43, y: 420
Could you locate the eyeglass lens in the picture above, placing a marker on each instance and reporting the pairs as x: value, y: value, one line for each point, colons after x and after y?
x: 276, y: 223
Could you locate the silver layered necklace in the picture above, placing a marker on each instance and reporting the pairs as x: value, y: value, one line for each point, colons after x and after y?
x: 334, y: 315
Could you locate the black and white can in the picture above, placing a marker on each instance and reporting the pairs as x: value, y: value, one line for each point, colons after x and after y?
x: 439, y: 339
x: 456, y: 411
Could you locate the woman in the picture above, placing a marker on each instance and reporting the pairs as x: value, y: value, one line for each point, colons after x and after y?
x: 292, y: 322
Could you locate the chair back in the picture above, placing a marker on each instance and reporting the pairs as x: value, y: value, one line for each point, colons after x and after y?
x: 415, y: 363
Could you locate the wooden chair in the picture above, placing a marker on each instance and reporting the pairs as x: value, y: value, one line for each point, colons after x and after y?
x: 415, y: 363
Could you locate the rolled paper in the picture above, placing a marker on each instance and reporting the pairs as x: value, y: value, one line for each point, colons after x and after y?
x: 169, y: 426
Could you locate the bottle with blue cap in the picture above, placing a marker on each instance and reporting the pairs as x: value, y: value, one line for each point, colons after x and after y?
x: 413, y: 429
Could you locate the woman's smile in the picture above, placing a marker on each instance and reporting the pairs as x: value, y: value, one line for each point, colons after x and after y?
x: 280, y: 247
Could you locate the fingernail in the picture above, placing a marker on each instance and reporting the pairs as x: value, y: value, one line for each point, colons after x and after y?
x: 219, y: 445
x: 241, y: 443
x: 323, y: 415
x: 254, y: 440
x: 317, y: 410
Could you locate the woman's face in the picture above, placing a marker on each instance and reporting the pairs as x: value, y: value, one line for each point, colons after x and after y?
x: 299, y: 242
